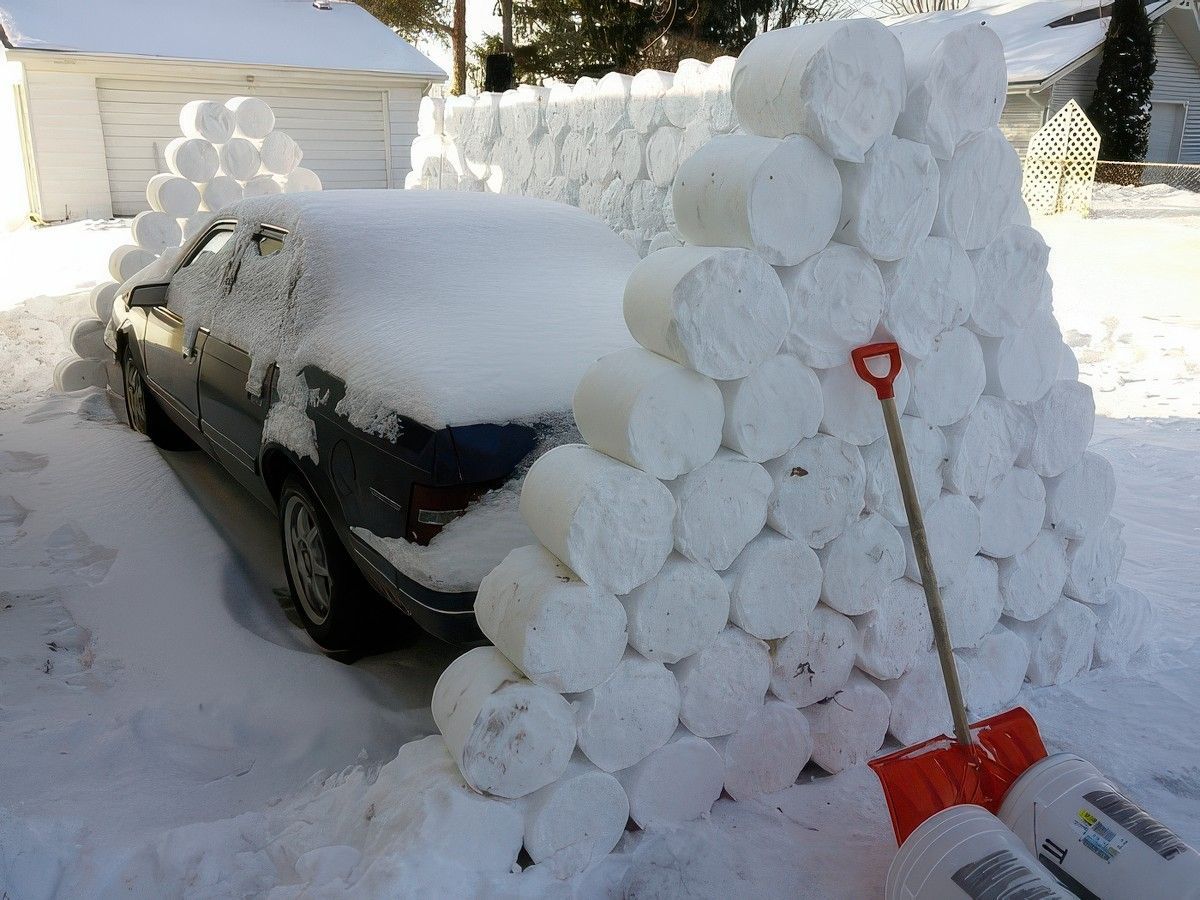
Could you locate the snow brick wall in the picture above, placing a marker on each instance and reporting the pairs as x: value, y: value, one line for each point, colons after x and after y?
x: 725, y: 588
x: 226, y: 151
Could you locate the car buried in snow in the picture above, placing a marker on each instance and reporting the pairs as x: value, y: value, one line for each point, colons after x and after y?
x: 379, y: 368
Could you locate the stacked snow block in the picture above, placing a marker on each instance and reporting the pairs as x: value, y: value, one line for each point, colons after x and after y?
x: 611, y: 146
x: 725, y: 586
x: 226, y: 151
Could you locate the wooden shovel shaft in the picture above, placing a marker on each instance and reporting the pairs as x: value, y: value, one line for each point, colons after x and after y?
x: 933, y: 596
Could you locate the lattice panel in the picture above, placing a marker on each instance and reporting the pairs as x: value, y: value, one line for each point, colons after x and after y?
x: 1060, y: 164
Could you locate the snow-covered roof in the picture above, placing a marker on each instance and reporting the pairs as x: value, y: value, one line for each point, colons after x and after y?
x: 1041, y: 37
x: 292, y: 33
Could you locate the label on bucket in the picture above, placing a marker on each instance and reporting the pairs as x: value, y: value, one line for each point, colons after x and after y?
x: 1097, y: 836
x: 1002, y: 876
x: 1132, y: 819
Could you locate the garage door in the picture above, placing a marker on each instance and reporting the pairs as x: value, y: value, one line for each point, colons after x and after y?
x: 1166, y: 131
x: 343, y: 132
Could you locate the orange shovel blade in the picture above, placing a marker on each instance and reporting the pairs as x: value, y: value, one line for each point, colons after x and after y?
x: 926, y: 778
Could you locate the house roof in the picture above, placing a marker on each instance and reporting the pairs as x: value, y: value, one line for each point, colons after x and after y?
x: 1042, y: 38
x: 291, y: 33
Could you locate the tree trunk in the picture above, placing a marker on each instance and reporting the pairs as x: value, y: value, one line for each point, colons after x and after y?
x: 458, y: 44
x: 506, y: 20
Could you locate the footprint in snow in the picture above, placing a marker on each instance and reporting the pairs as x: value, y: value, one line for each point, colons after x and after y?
x: 12, y: 517
x: 69, y: 549
x: 18, y: 461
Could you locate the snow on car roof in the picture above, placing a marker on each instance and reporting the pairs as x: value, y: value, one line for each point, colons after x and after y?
x: 263, y: 32
x: 1033, y: 49
x: 451, y: 308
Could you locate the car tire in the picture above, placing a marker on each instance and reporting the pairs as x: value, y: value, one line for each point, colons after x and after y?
x: 337, y: 606
x: 143, y: 413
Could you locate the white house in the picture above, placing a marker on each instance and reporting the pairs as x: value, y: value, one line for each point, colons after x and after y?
x: 90, y: 92
x: 1053, y: 52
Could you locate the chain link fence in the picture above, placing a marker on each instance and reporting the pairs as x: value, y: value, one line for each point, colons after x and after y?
x: 1176, y: 175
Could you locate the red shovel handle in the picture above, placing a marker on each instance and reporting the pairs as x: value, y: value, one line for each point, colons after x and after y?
x: 881, y: 383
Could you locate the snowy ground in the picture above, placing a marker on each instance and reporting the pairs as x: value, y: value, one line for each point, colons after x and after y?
x: 168, y: 732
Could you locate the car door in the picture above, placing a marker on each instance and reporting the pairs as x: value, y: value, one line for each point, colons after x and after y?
x: 232, y: 415
x: 170, y: 372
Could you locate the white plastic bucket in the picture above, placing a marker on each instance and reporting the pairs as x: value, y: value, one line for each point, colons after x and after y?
x: 966, y: 852
x: 1094, y: 840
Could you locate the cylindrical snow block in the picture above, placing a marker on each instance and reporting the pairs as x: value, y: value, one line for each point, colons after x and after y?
x: 840, y: 82
x: 716, y: 310
x: 219, y: 193
x: 263, y: 186
x: 599, y: 166
x: 610, y: 523
x: 1032, y: 581
x: 279, y: 154
x: 575, y: 821
x: 814, y: 661
x: 930, y: 289
x: 1062, y: 423
x: 300, y: 180
x: 957, y: 83
x: 767, y: 751
x: 192, y: 158
x: 610, y: 102
x: 662, y: 155
x: 558, y: 109
x: 155, y: 231
x: 926, y: 447
x: 717, y: 97
x: 1063, y: 802
x: 1021, y: 366
x: 982, y: 448
x: 518, y: 112
x: 431, y: 115
x: 772, y: 409
x: 781, y: 198
x: 889, y: 199
x: 75, y: 374
x: 1093, y: 563
x: 895, y: 635
x: 919, y: 707
x: 646, y: 93
x: 979, y: 187
x: 1010, y: 517
x: 860, y: 563
x: 86, y: 337
x: 650, y: 412
x: 629, y: 155
x: 972, y: 601
x: 206, y: 119
x: 1068, y: 367
x: 193, y: 224
x: 239, y: 159
x: 719, y: 507
x: 676, y: 783
x: 995, y: 671
x: 557, y: 630
x: 661, y: 241
x: 836, y: 298
x: 849, y: 727
x: 723, y: 683
x: 254, y: 119
x: 1060, y: 642
x: 773, y: 585
x: 966, y: 851
x: 1123, y: 624
x: 127, y: 260
x: 1011, y: 281
x: 101, y: 299
x: 678, y: 612
x: 683, y: 101
x: 1080, y: 499
x: 819, y: 488
x: 952, y: 530
x: 508, y: 735
x: 458, y: 111
x: 947, y: 383
x: 173, y: 195
x: 852, y: 411
x: 627, y: 717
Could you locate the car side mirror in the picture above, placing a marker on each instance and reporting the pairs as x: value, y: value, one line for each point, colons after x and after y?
x: 148, y: 294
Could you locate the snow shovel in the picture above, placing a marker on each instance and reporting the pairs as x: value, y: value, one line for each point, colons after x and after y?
x: 981, y: 762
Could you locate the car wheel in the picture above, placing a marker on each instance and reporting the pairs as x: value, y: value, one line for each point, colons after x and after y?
x: 339, y: 609
x: 145, y: 416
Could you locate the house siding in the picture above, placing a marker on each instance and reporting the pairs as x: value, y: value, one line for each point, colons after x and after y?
x: 403, y: 104
x: 1023, y: 115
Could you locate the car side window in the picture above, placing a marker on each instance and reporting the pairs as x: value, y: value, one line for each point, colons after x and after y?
x: 210, y: 246
x: 268, y: 242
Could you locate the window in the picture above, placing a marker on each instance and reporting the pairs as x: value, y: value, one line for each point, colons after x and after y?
x: 268, y: 241
x: 211, y: 245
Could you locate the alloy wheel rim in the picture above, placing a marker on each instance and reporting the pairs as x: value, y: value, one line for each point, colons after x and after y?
x: 307, y: 560
x: 135, y: 397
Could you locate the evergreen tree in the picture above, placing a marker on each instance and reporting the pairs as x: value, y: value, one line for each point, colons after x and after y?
x: 1120, y: 108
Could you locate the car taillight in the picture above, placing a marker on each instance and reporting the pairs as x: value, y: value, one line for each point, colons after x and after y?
x: 430, y: 509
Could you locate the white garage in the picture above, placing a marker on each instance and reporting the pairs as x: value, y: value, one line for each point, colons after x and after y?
x: 90, y: 93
